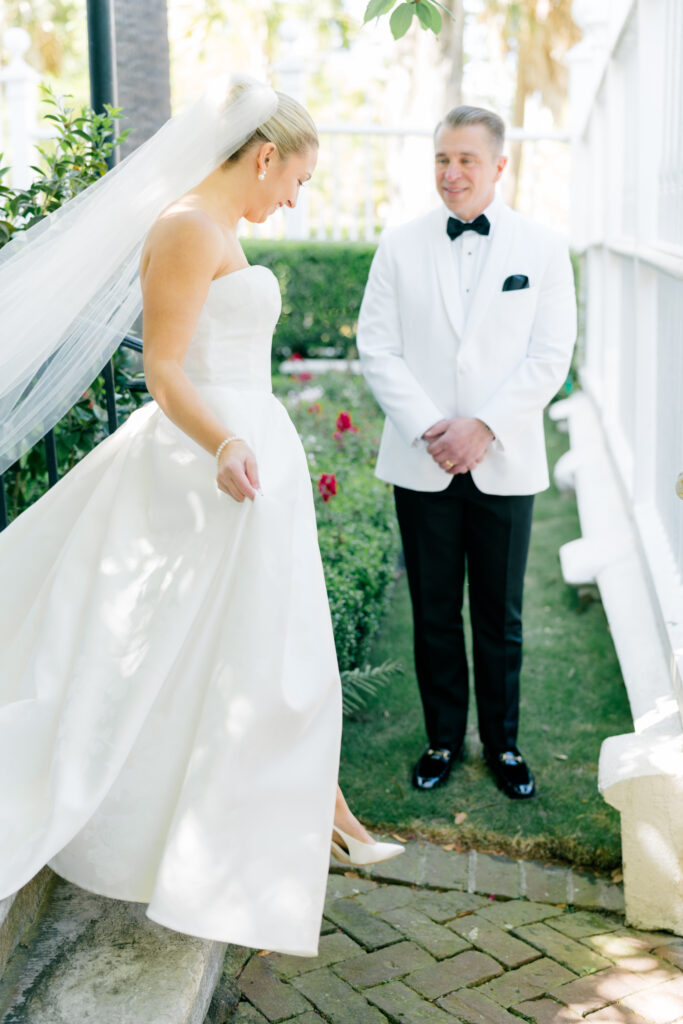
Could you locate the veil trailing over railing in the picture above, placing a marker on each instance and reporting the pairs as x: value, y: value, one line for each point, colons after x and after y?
x: 69, y: 287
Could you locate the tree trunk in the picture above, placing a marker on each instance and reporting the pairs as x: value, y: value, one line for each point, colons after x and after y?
x: 451, y: 47
x: 511, y: 186
x: 142, y: 64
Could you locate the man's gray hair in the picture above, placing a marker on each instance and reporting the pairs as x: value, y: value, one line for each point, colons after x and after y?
x: 460, y: 117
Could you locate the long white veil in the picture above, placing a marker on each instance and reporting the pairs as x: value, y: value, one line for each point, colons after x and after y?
x: 69, y: 286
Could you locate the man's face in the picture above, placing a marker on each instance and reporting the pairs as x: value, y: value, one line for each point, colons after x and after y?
x: 467, y: 169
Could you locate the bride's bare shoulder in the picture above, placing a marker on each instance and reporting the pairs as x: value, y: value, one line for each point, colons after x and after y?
x: 183, y: 232
x: 187, y: 221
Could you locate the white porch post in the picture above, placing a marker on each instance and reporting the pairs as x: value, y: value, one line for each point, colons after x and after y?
x: 291, y: 72
x: 19, y: 82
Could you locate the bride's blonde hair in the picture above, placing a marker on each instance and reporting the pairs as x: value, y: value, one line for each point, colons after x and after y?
x: 291, y: 129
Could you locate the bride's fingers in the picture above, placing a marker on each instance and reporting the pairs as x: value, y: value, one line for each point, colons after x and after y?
x: 226, y: 484
x: 251, y: 471
x: 226, y: 487
x: 243, y: 485
x: 239, y: 481
x: 235, y: 492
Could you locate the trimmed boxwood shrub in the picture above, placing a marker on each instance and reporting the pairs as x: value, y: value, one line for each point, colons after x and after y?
x: 322, y: 286
x: 357, y: 528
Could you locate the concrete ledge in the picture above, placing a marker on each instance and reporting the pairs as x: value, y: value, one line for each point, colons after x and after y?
x: 18, y: 912
x: 316, y: 366
x: 648, y: 793
x: 101, y: 960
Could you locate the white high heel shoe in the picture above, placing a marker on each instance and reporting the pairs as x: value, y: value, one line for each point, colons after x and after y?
x: 360, y: 853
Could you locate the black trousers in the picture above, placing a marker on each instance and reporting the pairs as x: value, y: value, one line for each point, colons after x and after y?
x: 447, y: 534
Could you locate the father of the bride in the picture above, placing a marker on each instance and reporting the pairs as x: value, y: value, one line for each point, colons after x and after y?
x: 465, y: 334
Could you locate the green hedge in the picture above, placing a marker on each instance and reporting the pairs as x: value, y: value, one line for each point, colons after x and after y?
x: 322, y: 285
x: 357, y: 528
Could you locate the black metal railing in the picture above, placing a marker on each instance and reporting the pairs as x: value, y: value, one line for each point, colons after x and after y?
x: 49, y: 440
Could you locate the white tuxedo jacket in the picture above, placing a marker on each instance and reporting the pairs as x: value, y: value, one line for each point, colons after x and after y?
x: 503, y: 365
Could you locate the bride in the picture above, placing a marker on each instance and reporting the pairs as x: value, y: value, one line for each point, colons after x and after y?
x: 169, y: 695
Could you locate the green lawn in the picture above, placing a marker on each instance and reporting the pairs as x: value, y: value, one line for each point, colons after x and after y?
x: 572, y: 698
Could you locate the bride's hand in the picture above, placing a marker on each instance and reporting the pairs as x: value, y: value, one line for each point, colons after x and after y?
x: 237, y: 471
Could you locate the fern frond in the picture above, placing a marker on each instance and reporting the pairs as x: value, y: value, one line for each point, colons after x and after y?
x: 358, y: 684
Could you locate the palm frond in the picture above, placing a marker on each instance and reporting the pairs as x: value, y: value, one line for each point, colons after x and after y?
x: 358, y: 684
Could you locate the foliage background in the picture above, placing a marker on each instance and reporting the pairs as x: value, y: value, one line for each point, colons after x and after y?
x: 357, y: 529
x: 76, y: 157
x: 505, y: 54
x: 322, y: 286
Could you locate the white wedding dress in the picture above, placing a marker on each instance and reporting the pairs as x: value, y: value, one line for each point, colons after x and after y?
x: 170, y: 709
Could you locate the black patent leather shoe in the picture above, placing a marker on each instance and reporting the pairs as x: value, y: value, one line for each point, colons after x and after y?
x: 511, y: 772
x: 434, y: 767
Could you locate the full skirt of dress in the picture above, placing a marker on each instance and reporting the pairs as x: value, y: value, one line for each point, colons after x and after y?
x: 169, y: 693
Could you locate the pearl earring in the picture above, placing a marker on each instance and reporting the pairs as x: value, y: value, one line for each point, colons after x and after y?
x: 262, y: 176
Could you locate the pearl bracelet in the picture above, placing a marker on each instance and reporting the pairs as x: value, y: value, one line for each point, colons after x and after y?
x: 222, y: 445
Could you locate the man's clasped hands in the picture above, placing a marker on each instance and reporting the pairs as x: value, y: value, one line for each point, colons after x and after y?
x: 458, y: 444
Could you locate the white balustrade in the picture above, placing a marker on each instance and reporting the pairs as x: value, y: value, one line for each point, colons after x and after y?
x: 627, y: 224
x: 671, y: 172
x: 370, y: 175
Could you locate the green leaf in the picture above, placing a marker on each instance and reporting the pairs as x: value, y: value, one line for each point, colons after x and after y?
x: 400, y: 20
x: 376, y: 8
x: 360, y: 683
x: 437, y: 20
x: 429, y: 16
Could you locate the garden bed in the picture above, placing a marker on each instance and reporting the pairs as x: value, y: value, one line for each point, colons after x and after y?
x: 572, y: 698
x: 340, y: 423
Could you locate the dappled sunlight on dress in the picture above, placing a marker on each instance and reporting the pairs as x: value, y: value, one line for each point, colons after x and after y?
x: 169, y: 695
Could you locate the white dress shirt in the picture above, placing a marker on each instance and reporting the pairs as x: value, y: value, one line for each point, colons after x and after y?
x: 469, y: 252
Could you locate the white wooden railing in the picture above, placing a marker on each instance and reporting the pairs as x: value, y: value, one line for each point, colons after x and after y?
x: 371, y: 175
x: 627, y: 221
x: 626, y: 427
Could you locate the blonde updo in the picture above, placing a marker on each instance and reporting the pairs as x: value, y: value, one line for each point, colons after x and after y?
x: 291, y: 130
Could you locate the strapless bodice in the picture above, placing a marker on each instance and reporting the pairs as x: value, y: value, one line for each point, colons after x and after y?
x: 232, y: 342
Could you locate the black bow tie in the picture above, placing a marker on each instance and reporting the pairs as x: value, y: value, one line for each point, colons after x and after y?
x: 456, y: 227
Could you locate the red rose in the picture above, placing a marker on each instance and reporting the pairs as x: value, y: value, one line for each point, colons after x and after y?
x: 344, y: 423
x: 327, y: 486
x: 315, y: 408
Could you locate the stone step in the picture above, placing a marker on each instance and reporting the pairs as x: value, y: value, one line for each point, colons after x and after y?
x: 90, y: 959
x: 17, y: 912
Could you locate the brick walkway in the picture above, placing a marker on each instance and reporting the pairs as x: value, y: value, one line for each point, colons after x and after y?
x: 437, y: 937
